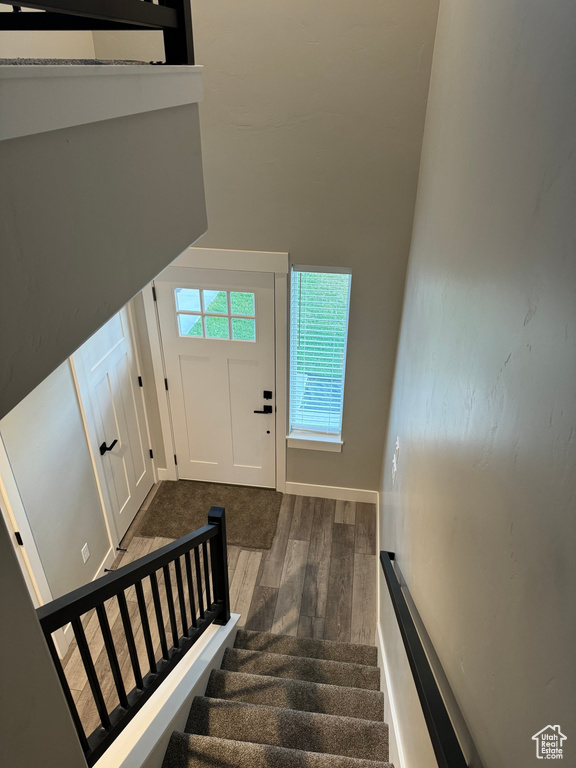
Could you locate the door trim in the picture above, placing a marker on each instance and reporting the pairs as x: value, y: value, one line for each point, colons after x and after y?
x: 239, y: 261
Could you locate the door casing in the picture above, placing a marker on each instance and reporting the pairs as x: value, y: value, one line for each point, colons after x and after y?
x: 248, y: 261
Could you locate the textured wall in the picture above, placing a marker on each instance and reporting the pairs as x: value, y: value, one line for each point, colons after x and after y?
x: 311, y: 129
x: 482, y: 513
x: 89, y: 216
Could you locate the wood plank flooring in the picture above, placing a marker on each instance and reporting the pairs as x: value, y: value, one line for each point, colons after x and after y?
x: 317, y: 580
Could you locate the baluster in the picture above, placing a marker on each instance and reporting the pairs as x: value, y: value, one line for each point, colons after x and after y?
x: 130, y: 640
x: 112, y: 657
x: 146, y: 626
x: 67, y: 693
x: 179, y: 43
x: 170, y: 599
x: 199, y: 582
x: 159, y: 616
x: 91, y: 672
x: 190, y: 588
x: 206, y: 574
x: 180, y: 587
x: 219, y: 561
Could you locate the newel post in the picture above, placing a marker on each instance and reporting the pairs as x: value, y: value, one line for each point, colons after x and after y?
x: 219, y: 562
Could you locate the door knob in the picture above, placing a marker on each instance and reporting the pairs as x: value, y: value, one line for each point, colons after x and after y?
x: 266, y: 409
x: 104, y: 447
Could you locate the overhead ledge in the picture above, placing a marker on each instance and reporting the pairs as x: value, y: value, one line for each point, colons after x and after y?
x: 38, y: 98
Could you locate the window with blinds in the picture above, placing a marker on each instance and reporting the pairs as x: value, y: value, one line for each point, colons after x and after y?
x: 319, y: 304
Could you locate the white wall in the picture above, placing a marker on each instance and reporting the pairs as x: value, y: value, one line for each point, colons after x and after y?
x: 46, y: 446
x: 36, y: 727
x: 482, y: 511
x: 133, y: 44
x: 311, y: 127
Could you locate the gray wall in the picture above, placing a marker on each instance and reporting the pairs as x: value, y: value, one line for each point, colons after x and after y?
x: 311, y: 126
x: 89, y: 215
x: 46, y: 445
x: 36, y: 728
x: 482, y: 510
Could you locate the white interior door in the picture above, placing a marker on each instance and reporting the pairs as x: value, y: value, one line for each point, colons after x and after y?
x: 107, y: 376
x: 217, y: 330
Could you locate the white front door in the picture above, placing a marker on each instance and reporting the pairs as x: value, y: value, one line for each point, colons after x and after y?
x: 107, y: 377
x: 217, y: 330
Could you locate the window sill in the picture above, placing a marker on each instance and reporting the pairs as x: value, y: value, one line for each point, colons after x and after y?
x: 311, y: 441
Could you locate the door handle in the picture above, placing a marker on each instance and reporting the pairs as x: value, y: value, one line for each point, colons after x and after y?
x: 104, y: 447
x: 267, y: 409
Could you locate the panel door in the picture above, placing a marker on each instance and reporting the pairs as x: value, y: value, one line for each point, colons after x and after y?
x: 108, y: 381
x: 217, y: 329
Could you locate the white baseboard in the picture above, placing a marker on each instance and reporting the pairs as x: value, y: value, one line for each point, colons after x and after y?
x: 106, y: 563
x: 166, y: 474
x: 142, y: 744
x: 396, y: 751
x: 332, y: 492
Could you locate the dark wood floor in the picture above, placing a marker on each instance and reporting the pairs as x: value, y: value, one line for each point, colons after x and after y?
x: 319, y: 577
x: 317, y: 580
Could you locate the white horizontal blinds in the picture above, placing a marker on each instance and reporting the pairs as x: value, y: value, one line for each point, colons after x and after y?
x: 318, y: 332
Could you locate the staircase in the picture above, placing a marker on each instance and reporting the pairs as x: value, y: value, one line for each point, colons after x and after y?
x: 287, y: 702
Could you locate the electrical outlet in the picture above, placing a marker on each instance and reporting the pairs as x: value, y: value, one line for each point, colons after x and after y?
x: 85, y: 552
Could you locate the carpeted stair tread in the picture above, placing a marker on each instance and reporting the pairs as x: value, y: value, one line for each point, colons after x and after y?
x: 193, y: 751
x: 302, y: 668
x: 296, y: 694
x: 309, y: 731
x: 304, y: 646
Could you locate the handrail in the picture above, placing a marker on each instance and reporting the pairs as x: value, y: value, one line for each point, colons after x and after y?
x: 172, y: 17
x: 186, y: 591
x: 442, y: 734
x: 61, y: 611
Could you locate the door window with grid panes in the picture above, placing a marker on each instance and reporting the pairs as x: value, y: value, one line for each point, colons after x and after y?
x: 216, y: 314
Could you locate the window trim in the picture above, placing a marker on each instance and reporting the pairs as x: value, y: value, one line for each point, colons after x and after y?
x: 312, y: 440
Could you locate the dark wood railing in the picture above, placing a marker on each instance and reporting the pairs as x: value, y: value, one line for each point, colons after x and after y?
x: 172, y: 17
x: 179, y: 589
x: 442, y: 734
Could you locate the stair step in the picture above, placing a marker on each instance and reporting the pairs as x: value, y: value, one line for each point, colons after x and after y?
x: 304, y: 646
x: 302, y: 668
x: 310, y: 731
x: 296, y: 694
x: 193, y: 751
